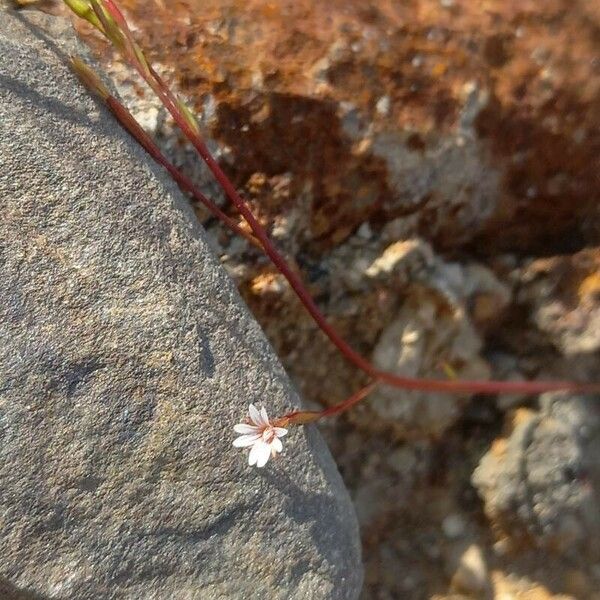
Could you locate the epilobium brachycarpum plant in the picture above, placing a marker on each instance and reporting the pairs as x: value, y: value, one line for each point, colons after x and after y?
x: 261, y: 434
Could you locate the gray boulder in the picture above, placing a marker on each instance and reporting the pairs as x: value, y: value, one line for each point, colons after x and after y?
x: 542, y: 484
x: 126, y: 357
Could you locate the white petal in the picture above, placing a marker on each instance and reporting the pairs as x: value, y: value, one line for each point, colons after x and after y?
x: 255, y: 453
x: 277, y: 445
x: 264, y: 415
x: 263, y: 453
x: 246, y: 440
x: 280, y: 431
x: 255, y: 416
x: 245, y: 428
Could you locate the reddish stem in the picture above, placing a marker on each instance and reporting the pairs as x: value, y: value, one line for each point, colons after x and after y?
x: 127, y: 121
x: 408, y: 383
x: 302, y: 417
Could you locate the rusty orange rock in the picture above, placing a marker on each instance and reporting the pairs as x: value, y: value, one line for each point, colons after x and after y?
x: 356, y: 100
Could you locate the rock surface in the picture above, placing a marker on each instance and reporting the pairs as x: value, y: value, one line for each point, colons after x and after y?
x: 355, y: 127
x: 478, y: 120
x: 433, y: 332
x: 563, y: 297
x: 126, y: 357
x: 542, y: 483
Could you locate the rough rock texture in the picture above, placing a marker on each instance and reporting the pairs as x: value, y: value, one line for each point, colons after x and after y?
x: 357, y: 128
x: 126, y: 357
x: 432, y: 333
x: 563, y: 296
x: 478, y: 119
x: 542, y: 483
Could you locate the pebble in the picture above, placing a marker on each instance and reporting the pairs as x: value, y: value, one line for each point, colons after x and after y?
x: 403, y: 460
x: 383, y: 106
x: 364, y: 231
x: 454, y: 526
x: 471, y: 575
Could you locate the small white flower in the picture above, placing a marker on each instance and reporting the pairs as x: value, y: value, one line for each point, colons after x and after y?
x: 261, y: 434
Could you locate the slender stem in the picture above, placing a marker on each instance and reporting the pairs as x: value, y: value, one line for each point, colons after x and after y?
x: 189, y: 127
x: 127, y: 120
x: 302, y: 417
x: 449, y: 386
x: 408, y: 383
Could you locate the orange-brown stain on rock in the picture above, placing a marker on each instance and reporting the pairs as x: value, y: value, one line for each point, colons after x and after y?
x: 306, y: 60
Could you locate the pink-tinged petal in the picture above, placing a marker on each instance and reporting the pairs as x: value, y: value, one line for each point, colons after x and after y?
x: 246, y: 440
x: 245, y: 428
x: 262, y: 454
x: 255, y: 453
x: 255, y: 416
x: 277, y: 445
x: 280, y: 431
x: 264, y: 415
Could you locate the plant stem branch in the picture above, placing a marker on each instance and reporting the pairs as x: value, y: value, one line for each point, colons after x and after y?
x: 112, y: 19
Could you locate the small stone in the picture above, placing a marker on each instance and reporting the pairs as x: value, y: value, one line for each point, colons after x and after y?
x: 364, y: 231
x: 502, y: 547
x: 417, y: 61
x: 408, y: 255
x: 383, y: 106
x: 403, y: 460
x: 454, y: 526
x: 431, y: 333
x: 562, y: 293
x: 472, y: 574
x: 553, y: 500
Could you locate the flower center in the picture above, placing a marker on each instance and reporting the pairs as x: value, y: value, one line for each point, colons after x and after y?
x: 268, y: 435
